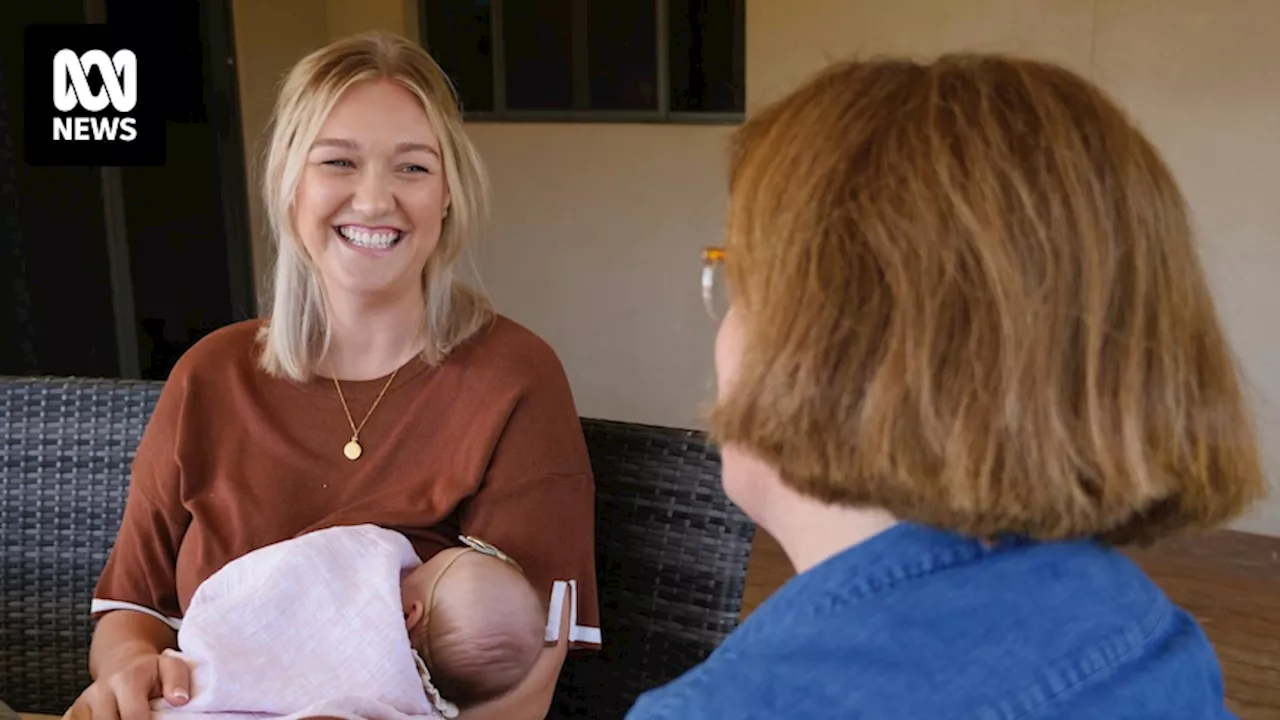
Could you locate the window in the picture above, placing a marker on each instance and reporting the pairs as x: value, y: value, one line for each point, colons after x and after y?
x: 592, y: 60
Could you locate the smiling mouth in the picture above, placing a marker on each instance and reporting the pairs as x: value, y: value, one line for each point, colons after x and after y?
x: 370, y: 239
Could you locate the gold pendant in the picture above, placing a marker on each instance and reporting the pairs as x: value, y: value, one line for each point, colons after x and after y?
x: 352, y: 450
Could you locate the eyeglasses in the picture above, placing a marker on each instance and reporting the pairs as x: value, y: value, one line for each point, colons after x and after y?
x: 714, y: 293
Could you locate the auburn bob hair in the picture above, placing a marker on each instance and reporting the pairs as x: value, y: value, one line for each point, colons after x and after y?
x: 971, y: 297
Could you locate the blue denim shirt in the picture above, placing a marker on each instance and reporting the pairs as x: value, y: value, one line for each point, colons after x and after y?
x: 918, y: 624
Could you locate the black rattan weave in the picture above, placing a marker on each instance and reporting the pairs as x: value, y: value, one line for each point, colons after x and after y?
x: 63, y: 478
x: 671, y: 554
x: 672, y: 551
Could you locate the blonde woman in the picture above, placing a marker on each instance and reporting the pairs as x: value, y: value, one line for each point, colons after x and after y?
x: 970, y: 350
x: 379, y: 390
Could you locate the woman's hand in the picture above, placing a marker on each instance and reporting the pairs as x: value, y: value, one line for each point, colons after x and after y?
x: 129, y: 669
x: 530, y: 699
x: 126, y: 694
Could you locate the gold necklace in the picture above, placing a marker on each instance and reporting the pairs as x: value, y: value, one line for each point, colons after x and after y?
x: 352, y: 449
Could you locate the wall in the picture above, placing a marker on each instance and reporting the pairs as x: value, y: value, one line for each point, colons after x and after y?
x: 596, y: 245
x: 597, y: 228
x: 347, y: 17
x: 1203, y: 80
x: 270, y: 36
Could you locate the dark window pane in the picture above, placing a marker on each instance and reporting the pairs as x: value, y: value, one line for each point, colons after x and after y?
x: 707, y: 65
x: 458, y: 37
x: 538, y: 41
x: 623, y: 47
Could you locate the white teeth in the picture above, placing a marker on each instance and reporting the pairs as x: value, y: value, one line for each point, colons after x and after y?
x: 366, y: 239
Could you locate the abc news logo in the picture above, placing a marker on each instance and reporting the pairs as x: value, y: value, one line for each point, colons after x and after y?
x: 93, y: 97
x: 71, y: 90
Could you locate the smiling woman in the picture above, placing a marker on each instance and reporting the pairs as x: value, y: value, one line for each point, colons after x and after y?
x: 372, y: 198
x: 380, y: 390
x: 340, y: 155
x: 388, y: 158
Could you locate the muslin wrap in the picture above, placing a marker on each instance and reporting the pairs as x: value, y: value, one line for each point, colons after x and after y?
x: 310, y: 626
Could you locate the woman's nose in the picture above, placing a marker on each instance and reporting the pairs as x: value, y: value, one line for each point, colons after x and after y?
x: 373, y: 195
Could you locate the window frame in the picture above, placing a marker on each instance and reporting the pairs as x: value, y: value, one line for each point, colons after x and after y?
x: 661, y: 115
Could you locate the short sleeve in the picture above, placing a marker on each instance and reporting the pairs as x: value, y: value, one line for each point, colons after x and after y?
x: 537, y: 502
x: 140, y: 572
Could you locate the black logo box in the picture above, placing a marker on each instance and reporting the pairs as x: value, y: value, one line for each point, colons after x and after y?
x: 42, y: 118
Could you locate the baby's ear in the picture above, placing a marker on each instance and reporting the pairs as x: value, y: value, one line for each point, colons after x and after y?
x: 413, y: 614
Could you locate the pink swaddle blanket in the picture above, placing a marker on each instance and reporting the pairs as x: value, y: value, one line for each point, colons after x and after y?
x: 310, y: 626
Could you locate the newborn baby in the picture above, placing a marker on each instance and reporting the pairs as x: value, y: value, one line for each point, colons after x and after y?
x: 474, y: 620
x: 348, y: 622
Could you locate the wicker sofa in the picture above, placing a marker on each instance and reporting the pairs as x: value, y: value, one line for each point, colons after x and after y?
x: 672, y: 551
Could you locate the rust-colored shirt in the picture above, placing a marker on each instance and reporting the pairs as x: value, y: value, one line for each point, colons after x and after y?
x: 486, y: 444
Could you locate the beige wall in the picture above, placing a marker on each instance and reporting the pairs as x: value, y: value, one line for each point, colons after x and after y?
x: 1204, y: 80
x: 269, y: 36
x: 597, y: 227
x: 595, y: 245
x: 347, y: 17
x: 787, y: 41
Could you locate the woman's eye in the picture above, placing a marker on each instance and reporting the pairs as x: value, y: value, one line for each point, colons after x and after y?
x: 338, y: 163
x: 416, y: 169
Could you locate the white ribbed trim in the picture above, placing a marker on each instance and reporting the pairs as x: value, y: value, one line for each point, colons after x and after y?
x: 561, y: 591
x: 101, y: 606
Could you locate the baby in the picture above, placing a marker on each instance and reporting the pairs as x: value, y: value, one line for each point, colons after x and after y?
x: 475, y: 621
x: 348, y: 622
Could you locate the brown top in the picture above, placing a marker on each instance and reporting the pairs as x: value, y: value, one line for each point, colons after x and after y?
x: 487, y: 444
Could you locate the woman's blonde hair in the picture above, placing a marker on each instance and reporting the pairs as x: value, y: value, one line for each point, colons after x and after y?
x: 970, y: 296
x: 297, y: 332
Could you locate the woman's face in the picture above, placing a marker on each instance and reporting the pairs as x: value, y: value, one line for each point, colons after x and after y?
x: 746, y: 477
x: 372, y: 196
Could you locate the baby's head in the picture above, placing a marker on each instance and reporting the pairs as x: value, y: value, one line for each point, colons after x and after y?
x: 475, y: 620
